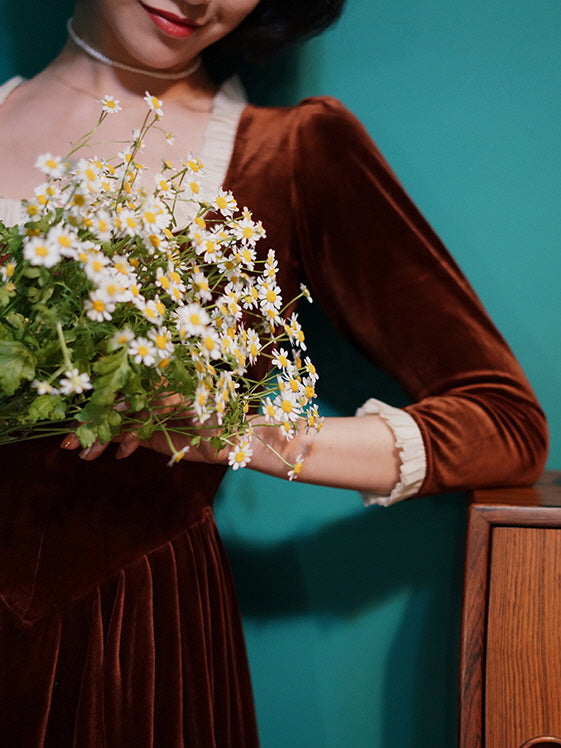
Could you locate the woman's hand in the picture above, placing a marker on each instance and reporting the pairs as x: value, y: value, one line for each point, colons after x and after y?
x: 186, y: 425
x: 352, y: 453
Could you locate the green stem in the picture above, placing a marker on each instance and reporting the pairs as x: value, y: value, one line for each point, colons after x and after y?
x: 62, y: 341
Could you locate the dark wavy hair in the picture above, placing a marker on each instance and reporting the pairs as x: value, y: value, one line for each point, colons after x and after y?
x: 273, y: 26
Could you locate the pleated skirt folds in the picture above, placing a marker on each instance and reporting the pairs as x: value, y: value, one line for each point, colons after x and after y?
x: 152, y: 657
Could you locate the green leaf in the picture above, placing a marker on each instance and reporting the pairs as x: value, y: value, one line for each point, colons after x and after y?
x: 105, y: 433
x: 5, y: 296
x: 47, y: 408
x: 93, y: 412
x: 114, y: 419
x: 16, y: 320
x: 216, y: 442
x: 16, y: 365
x: 137, y: 401
x: 113, y: 370
x: 86, y: 435
x: 184, y: 381
x: 32, y: 272
x: 146, y: 430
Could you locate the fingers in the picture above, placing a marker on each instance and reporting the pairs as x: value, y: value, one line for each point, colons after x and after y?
x: 93, y: 452
x: 128, y: 444
x: 70, y: 441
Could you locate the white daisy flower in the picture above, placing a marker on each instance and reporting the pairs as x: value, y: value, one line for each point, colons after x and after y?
x: 200, y: 286
x: 269, y: 410
x: 7, y: 270
x: 270, y: 295
x: 122, y: 338
x: 90, y: 173
x: 155, y: 216
x: 38, y: 250
x: 280, y: 359
x: 151, y: 309
x: 112, y: 287
x: 65, y: 239
x: 294, y: 472
x: 253, y: 345
x: 74, y: 382
x: 311, y: 369
x: 122, y: 266
x: 94, y: 262
x: 98, y: 307
x: 271, y: 265
x: 129, y: 223
x: 52, y: 166
x: 143, y: 351
x: 194, y: 165
x: 200, y: 401
x: 295, y: 332
x: 305, y: 292
x: 241, y: 455
x: 192, y: 319
x: 101, y: 224
x: 178, y: 456
x: 110, y: 104
x: 162, y: 342
x: 247, y: 230
x: 164, y: 186
x: 287, y: 406
x: 225, y: 203
x: 209, y: 344
x: 154, y: 104
x: 44, y: 388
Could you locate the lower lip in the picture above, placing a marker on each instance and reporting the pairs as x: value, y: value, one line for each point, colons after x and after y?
x: 177, y: 30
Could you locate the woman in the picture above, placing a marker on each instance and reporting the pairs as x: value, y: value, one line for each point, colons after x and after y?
x: 118, y: 625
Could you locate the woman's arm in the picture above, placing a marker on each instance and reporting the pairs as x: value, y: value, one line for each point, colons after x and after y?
x: 353, y: 453
x: 391, y: 287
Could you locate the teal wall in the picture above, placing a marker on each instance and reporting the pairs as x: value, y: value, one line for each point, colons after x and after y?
x: 352, y: 615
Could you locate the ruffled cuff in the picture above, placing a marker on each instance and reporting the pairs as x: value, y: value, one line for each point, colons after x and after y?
x: 409, y: 442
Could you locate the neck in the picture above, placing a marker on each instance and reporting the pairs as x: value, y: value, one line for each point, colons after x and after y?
x: 83, y: 72
x: 78, y: 65
x: 99, y: 56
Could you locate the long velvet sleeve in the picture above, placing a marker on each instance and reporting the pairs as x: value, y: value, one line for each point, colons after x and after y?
x: 391, y: 287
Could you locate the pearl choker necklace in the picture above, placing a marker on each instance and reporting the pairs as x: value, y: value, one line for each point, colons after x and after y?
x: 97, y: 55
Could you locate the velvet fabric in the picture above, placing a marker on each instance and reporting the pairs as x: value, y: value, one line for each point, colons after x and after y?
x: 118, y: 620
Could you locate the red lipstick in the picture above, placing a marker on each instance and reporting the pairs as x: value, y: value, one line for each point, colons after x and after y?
x: 170, y: 23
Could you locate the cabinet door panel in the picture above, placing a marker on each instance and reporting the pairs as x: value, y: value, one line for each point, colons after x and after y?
x: 523, y: 648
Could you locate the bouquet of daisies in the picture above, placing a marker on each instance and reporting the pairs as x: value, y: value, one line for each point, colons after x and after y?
x: 109, y: 310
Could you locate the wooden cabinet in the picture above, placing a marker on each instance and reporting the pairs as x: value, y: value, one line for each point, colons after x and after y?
x: 510, y: 670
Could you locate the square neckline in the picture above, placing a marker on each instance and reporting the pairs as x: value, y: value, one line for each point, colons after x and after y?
x: 230, y: 103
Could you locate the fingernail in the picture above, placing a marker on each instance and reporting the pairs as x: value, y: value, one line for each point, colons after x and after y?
x: 68, y: 442
x: 85, y: 453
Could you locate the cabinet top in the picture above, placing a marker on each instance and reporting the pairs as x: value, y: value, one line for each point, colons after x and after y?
x: 546, y: 492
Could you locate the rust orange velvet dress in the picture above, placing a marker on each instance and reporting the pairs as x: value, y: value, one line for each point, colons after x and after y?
x: 118, y: 620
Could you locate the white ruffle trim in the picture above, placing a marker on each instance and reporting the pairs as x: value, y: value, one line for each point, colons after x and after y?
x: 7, y: 87
x: 218, y: 144
x: 11, y: 211
x: 409, y: 442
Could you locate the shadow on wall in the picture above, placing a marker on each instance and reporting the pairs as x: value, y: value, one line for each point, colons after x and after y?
x: 345, y: 568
